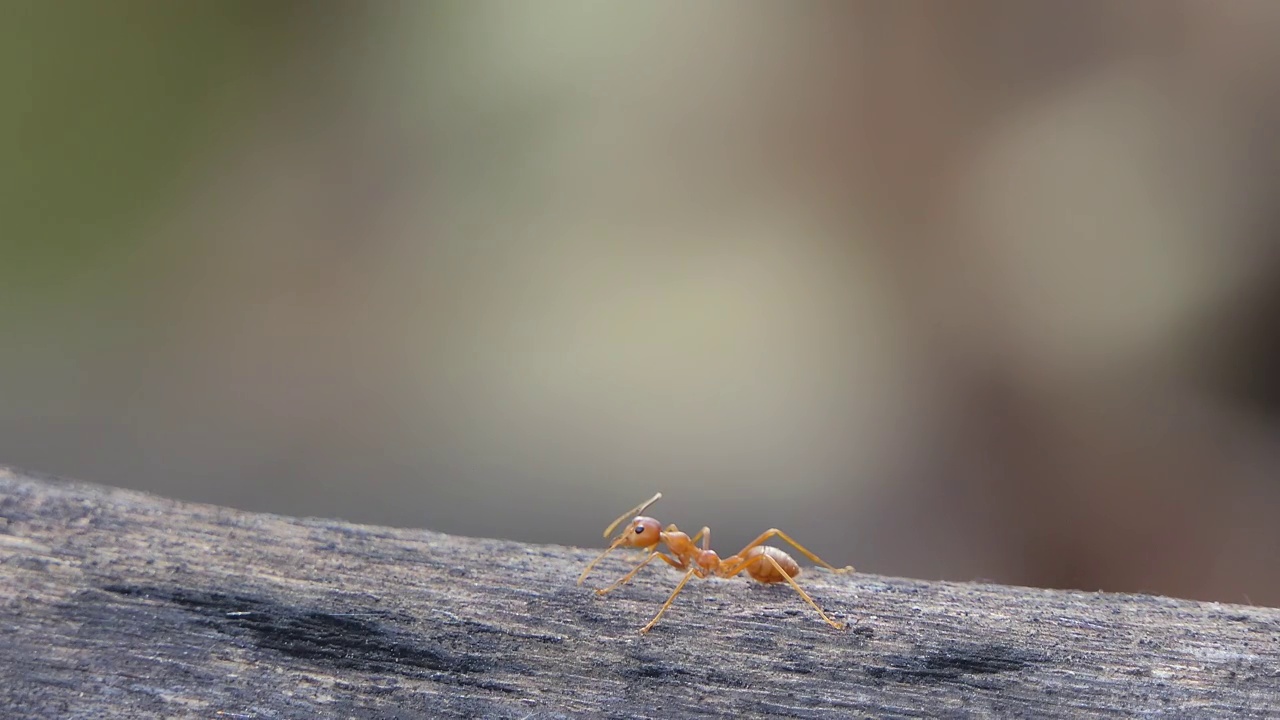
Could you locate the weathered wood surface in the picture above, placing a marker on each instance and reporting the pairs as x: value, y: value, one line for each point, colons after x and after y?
x: 116, y: 604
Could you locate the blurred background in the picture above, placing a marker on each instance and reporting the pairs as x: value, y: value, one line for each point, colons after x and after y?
x: 982, y: 290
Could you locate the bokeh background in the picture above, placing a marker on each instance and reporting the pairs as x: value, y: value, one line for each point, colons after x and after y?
x: 981, y: 290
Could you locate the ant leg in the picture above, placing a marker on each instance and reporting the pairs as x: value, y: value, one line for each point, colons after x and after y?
x: 790, y: 581
x: 667, y: 604
x: 612, y: 546
x: 704, y: 534
x: 771, y: 532
x: 672, y: 528
x: 647, y: 560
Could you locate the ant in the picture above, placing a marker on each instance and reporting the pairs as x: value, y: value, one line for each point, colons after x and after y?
x: 763, y: 563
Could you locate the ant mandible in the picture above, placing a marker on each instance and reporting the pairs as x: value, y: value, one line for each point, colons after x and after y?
x: 762, y: 562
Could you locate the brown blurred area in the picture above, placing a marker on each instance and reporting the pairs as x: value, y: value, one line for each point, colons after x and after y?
x: 978, y: 290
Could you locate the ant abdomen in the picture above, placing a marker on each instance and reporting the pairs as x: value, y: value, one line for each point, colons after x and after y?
x: 763, y: 571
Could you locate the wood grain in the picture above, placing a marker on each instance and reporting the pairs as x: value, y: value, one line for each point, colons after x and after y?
x: 117, y: 604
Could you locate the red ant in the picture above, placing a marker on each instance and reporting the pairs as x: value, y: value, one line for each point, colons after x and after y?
x: 763, y: 563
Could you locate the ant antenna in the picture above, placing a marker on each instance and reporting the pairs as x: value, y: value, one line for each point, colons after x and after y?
x: 632, y: 513
x: 618, y: 541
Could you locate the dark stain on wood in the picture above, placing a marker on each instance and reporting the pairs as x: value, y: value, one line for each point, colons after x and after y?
x: 953, y: 662
x: 358, y: 639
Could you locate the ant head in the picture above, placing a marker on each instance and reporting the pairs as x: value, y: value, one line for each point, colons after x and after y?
x: 642, y: 532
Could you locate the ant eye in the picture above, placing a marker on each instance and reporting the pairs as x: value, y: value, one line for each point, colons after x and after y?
x: 639, y: 529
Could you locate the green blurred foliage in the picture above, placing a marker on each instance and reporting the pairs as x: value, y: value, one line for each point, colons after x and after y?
x: 103, y: 106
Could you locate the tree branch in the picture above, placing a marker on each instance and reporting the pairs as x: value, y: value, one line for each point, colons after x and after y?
x: 119, y: 604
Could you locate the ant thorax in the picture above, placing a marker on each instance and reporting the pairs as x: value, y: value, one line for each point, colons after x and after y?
x: 708, y: 560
